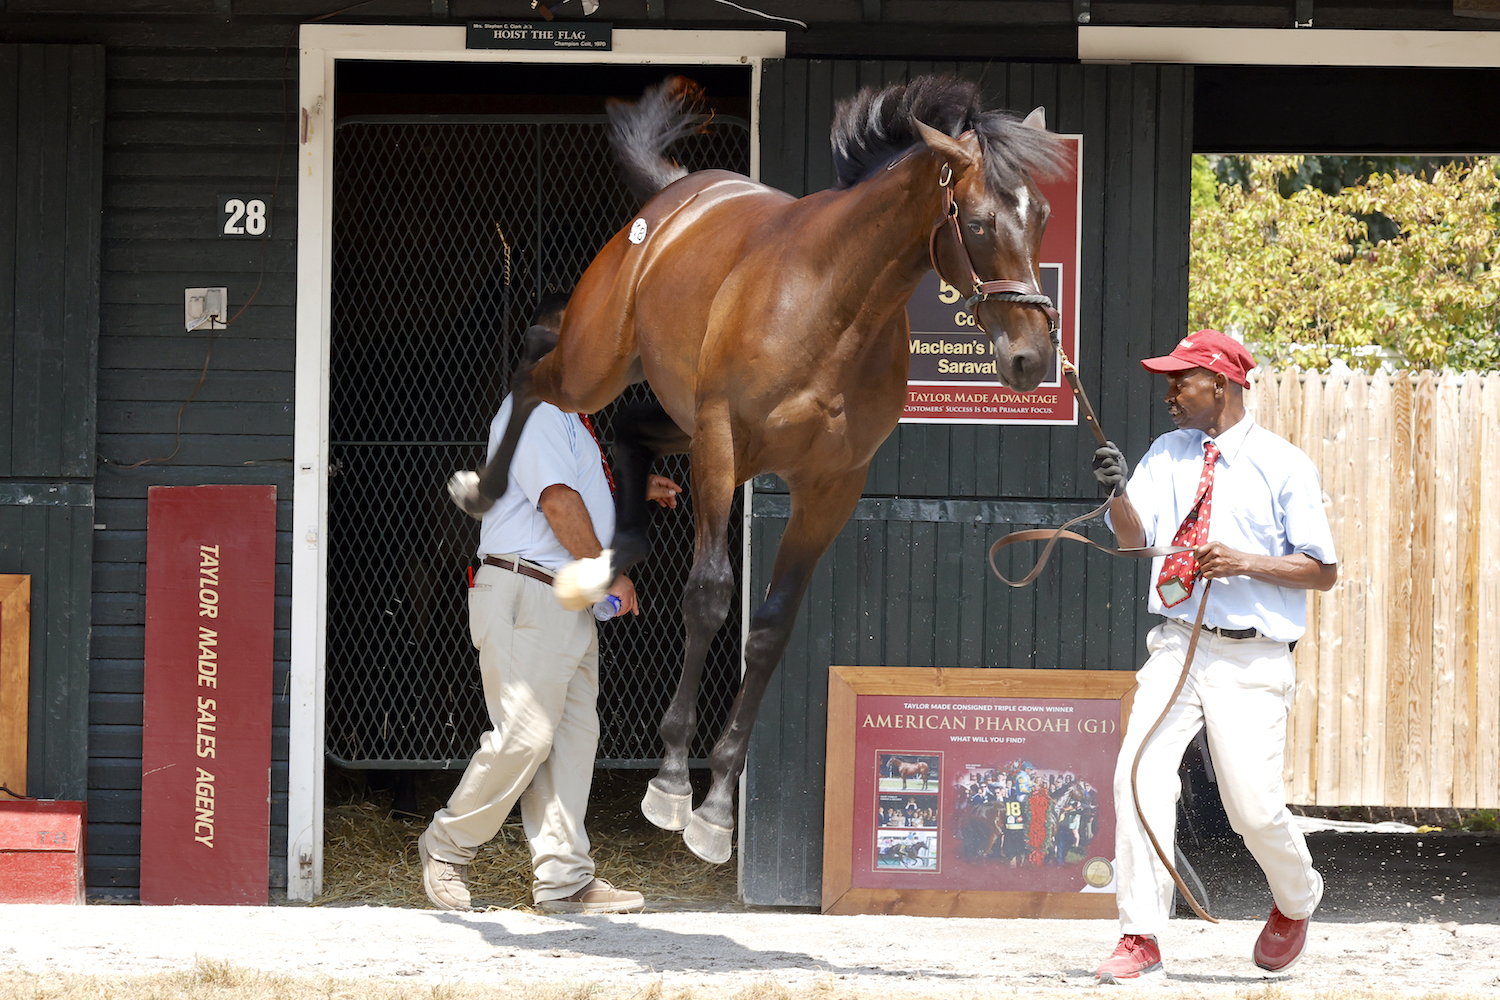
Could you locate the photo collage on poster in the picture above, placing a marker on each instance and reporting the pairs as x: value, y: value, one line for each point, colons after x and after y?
x: 908, y: 811
x: 984, y: 794
x: 1022, y: 815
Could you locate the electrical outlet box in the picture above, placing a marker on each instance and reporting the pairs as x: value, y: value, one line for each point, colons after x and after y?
x: 205, y: 308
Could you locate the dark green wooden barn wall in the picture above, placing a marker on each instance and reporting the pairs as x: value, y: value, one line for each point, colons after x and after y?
x: 51, y: 137
x: 194, y: 110
x: 194, y: 104
x: 46, y: 532
x: 906, y: 582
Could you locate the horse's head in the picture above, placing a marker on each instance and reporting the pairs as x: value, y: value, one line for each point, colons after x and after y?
x: 990, y: 241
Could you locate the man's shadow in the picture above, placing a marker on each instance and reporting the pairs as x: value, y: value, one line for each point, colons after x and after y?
x: 657, y: 949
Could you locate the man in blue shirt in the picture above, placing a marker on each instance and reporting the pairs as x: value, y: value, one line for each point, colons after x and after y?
x: 1249, y: 505
x: 539, y: 665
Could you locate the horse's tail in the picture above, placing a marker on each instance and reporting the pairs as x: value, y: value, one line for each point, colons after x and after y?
x: 640, y: 132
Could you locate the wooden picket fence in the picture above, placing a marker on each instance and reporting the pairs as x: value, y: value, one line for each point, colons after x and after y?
x: 1398, y: 678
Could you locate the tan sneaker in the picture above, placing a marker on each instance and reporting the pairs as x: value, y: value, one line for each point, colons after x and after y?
x: 596, y: 897
x: 447, y: 884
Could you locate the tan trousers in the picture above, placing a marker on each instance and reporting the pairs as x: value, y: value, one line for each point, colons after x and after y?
x: 540, y: 668
x: 1239, y: 691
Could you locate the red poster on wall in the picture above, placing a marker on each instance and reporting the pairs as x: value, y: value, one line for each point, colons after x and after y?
x: 206, y: 758
x: 953, y: 377
x: 1010, y: 794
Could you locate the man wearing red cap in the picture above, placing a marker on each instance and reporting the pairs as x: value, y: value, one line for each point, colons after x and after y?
x: 1249, y: 506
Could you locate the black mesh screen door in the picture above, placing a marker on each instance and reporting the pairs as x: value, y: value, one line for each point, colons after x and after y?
x: 445, y: 233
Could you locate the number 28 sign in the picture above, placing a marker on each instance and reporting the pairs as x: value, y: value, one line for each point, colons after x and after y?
x: 244, y: 215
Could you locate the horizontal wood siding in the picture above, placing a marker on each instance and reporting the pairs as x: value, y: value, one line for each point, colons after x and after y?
x: 906, y: 582
x: 186, y: 123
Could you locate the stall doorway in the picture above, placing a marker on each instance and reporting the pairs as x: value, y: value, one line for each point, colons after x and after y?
x: 461, y: 195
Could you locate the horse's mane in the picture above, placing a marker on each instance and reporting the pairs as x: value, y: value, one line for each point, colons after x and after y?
x: 874, y: 126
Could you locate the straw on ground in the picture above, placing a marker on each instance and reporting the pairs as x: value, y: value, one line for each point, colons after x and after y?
x: 370, y: 856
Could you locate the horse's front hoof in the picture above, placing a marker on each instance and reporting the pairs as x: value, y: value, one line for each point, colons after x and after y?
x: 463, y: 488
x: 709, y: 841
x: 583, y: 583
x: 666, y: 810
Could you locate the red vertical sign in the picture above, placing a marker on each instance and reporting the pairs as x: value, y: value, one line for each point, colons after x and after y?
x: 205, y: 763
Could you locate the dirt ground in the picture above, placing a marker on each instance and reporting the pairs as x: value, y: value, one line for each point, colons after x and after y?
x: 1414, y: 914
x: 1403, y: 914
x: 727, y: 951
x: 1442, y: 877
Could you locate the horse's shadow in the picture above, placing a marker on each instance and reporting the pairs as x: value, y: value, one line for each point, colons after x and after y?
x: 660, y: 949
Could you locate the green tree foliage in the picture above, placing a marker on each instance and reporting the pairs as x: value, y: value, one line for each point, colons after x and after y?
x: 1356, y: 260
x: 1329, y: 174
x: 1205, y: 184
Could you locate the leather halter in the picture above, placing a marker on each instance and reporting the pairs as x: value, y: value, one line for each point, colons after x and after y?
x: 1001, y: 289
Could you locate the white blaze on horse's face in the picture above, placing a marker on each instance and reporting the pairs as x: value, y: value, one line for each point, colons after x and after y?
x: 1003, y: 231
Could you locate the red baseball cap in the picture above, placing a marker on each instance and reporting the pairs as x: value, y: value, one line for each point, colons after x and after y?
x: 1206, y: 349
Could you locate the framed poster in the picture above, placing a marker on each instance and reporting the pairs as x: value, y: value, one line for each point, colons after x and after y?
x: 953, y: 376
x: 974, y: 793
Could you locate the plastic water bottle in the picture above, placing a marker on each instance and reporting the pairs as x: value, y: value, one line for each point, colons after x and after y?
x: 607, y: 608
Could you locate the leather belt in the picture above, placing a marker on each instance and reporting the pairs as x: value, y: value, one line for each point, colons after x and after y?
x: 516, y: 566
x: 1232, y: 633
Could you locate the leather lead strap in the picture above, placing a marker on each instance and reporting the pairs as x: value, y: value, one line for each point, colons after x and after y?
x: 1070, y: 372
x: 1054, y: 535
x: 1187, y: 664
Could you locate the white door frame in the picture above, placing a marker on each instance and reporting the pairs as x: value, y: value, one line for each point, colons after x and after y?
x: 322, y: 46
x: 1112, y: 43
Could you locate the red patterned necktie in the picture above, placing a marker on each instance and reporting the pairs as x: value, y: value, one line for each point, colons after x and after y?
x: 604, y: 462
x: 1180, y: 571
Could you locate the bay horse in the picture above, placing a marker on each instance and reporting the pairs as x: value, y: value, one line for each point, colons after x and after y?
x: 773, y: 330
x: 904, y: 770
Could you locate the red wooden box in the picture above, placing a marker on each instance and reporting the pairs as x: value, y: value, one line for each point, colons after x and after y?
x: 41, y: 851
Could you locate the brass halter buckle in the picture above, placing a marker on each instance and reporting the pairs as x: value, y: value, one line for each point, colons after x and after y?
x: 1065, y: 363
x: 945, y: 176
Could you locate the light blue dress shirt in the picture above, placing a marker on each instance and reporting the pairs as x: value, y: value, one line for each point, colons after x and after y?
x: 1267, y: 500
x: 554, y: 448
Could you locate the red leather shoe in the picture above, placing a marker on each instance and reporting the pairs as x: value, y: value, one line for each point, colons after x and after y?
x: 1136, y: 958
x: 1280, y: 942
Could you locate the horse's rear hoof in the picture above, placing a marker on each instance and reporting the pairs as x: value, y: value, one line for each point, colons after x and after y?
x: 583, y: 583
x: 710, y: 842
x: 668, y: 811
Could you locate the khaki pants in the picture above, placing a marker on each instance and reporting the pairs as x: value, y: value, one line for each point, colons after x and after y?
x: 1239, y: 691
x: 540, y: 668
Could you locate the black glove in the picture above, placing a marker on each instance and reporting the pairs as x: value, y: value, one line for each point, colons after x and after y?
x: 1110, y: 468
